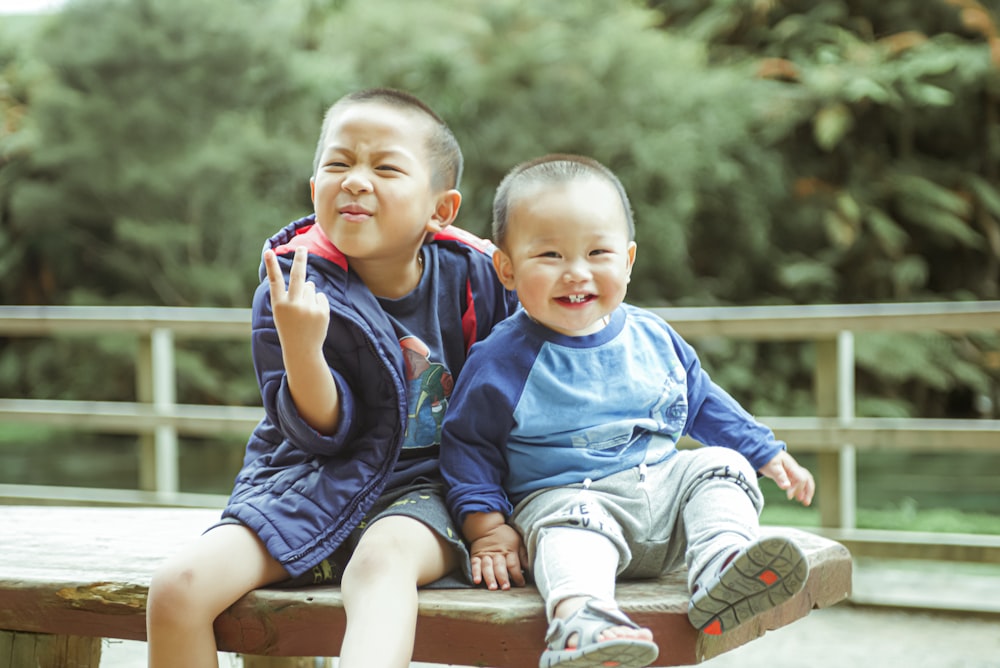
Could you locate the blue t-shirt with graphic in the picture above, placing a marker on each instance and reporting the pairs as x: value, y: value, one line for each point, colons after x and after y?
x: 429, y: 329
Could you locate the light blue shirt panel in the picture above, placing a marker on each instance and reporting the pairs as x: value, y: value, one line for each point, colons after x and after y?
x: 587, y: 412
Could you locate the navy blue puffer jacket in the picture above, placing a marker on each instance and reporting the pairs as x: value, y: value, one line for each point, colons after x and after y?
x: 303, y: 492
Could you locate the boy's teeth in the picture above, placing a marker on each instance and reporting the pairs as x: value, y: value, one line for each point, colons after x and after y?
x: 576, y: 299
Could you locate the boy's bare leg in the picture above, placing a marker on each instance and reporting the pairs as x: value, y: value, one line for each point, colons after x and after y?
x: 195, y: 585
x: 396, y: 554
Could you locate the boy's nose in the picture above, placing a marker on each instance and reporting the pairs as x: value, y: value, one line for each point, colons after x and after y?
x: 356, y: 182
x: 576, y: 271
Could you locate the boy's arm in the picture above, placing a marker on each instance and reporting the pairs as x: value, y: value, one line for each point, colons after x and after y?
x: 716, y: 418
x: 474, y: 436
x: 497, y: 551
x: 301, y: 317
x: 475, y: 429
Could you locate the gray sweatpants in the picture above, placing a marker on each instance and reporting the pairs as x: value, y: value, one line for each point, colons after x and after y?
x: 698, y: 507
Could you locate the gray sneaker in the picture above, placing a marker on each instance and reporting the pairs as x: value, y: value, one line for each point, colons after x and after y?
x: 762, y: 575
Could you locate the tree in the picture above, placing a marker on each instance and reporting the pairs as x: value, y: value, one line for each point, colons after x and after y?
x: 159, y: 156
x: 775, y: 151
x: 149, y: 168
x: 896, y: 164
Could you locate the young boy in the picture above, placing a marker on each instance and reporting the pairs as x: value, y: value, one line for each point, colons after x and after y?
x: 364, y: 315
x: 565, y: 422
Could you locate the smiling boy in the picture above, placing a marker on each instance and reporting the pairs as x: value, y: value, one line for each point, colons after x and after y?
x: 564, y: 429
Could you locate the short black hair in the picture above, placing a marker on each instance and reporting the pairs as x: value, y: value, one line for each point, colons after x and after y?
x: 552, y: 168
x: 445, y: 153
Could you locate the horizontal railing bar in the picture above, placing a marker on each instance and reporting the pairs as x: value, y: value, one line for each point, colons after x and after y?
x: 815, y: 321
x: 199, y: 322
x: 977, y: 548
x: 129, y: 417
x: 813, y: 434
x: 807, y: 434
x: 785, y: 322
x: 103, y: 496
x: 829, y: 434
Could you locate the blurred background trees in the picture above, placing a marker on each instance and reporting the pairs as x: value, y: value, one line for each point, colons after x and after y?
x: 776, y: 151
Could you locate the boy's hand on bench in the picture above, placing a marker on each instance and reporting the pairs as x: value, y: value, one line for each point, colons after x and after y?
x: 498, y: 558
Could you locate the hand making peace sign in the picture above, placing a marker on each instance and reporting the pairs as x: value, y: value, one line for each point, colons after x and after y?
x: 301, y: 314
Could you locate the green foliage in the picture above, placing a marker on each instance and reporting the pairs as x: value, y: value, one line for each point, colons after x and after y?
x: 516, y: 80
x: 779, y: 151
x: 152, y: 154
x: 893, y: 158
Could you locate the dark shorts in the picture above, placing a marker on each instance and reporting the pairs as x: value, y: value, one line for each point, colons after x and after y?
x: 423, y: 501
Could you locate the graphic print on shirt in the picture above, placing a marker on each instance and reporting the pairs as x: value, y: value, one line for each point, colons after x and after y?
x: 429, y: 385
x: 669, y: 414
x: 671, y: 410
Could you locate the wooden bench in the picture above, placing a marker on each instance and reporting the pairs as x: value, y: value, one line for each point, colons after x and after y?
x: 70, y: 576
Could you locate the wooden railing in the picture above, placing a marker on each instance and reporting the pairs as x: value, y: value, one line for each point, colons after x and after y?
x: 834, y: 434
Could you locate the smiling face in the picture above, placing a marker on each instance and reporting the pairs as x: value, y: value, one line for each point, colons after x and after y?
x: 567, y: 253
x: 373, y: 190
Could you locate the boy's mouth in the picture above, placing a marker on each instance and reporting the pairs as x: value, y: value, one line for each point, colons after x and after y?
x: 577, y: 299
x: 354, y: 212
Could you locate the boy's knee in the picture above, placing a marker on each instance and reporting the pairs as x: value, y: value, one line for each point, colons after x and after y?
x: 723, y: 462
x: 373, y: 559
x: 172, y: 594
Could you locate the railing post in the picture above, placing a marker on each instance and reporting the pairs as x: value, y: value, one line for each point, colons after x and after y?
x: 834, y: 388
x: 156, y: 385
x: 144, y: 395
x: 164, y: 399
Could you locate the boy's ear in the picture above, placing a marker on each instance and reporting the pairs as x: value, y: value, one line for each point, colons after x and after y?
x: 445, y: 211
x: 631, y: 260
x: 312, y: 189
x: 504, y: 268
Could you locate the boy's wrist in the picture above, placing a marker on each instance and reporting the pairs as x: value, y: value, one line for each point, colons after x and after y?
x: 477, y: 525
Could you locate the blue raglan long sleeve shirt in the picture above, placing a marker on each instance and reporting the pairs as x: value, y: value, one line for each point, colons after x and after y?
x: 535, y: 409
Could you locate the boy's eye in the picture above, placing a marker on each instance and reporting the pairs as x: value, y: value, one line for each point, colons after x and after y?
x: 548, y: 254
x: 387, y: 168
x: 599, y: 251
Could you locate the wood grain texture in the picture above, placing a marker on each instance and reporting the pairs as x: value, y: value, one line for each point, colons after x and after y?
x: 73, y: 571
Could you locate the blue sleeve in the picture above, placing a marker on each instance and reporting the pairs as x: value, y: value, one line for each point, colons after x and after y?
x: 473, y: 439
x: 716, y: 418
x: 277, y: 399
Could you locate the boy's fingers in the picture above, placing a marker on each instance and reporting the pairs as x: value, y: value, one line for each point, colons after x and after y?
x: 489, y: 576
x: 297, y: 276
x: 514, y: 571
x: 274, y: 277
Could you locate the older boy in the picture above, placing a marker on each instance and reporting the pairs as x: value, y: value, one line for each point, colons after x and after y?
x: 365, y: 310
x: 566, y: 420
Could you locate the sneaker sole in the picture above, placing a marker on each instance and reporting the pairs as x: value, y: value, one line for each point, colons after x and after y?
x: 764, y: 575
x: 623, y: 653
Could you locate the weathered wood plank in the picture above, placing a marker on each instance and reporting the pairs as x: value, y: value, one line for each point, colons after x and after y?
x: 28, y: 650
x: 85, y: 572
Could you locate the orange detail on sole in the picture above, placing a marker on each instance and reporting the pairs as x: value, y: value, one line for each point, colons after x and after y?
x: 714, y: 629
x: 768, y: 577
